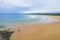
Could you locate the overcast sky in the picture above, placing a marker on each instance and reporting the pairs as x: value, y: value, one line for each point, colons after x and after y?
x: 29, y: 6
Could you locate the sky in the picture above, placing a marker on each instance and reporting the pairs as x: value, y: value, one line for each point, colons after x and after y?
x: 29, y: 6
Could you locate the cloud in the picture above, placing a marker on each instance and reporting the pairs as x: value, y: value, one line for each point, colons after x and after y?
x: 43, y: 11
x: 13, y: 3
x: 43, y: 6
x: 29, y: 6
x: 15, y: 10
x: 13, y: 6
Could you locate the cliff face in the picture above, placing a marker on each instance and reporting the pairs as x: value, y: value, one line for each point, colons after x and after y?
x: 5, y: 35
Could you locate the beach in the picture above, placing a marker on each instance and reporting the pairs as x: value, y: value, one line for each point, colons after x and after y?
x: 37, y: 31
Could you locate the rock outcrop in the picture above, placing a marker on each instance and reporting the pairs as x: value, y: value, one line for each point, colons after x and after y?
x: 5, y: 34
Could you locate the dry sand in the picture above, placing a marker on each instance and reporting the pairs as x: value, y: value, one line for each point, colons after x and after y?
x: 38, y: 31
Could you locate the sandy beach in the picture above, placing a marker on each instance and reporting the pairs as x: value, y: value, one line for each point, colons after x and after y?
x: 38, y: 31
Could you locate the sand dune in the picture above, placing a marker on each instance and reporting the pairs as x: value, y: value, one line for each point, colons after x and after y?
x: 50, y: 31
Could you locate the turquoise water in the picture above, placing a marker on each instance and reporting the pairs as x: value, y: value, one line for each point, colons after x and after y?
x: 8, y: 20
x: 4, y: 18
x: 25, y: 18
x: 16, y: 18
x: 11, y: 19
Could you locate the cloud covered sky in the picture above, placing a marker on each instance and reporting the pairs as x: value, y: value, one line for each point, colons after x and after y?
x: 29, y: 6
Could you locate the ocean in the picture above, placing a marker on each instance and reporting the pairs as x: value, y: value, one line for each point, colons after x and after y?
x: 6, y: 20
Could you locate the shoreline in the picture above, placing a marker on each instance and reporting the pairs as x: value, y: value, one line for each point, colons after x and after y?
x: 36, y: 30
x: 25, y: 24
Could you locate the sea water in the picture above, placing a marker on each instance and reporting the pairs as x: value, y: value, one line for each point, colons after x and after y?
x: 12, y: 19
x: 16, y: 18
x: 23, y: 19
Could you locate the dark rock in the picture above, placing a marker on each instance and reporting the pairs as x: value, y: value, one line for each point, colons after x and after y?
x: 5, y: 35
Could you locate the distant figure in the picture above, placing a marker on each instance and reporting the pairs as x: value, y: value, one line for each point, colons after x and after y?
x: 18, y: 30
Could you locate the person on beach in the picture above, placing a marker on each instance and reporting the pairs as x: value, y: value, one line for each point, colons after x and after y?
x: 18, y: 30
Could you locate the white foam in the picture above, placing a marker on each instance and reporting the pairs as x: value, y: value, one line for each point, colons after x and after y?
x: 47, y: 19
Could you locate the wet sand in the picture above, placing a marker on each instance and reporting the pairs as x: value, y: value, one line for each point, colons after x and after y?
x: 38, y: 31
